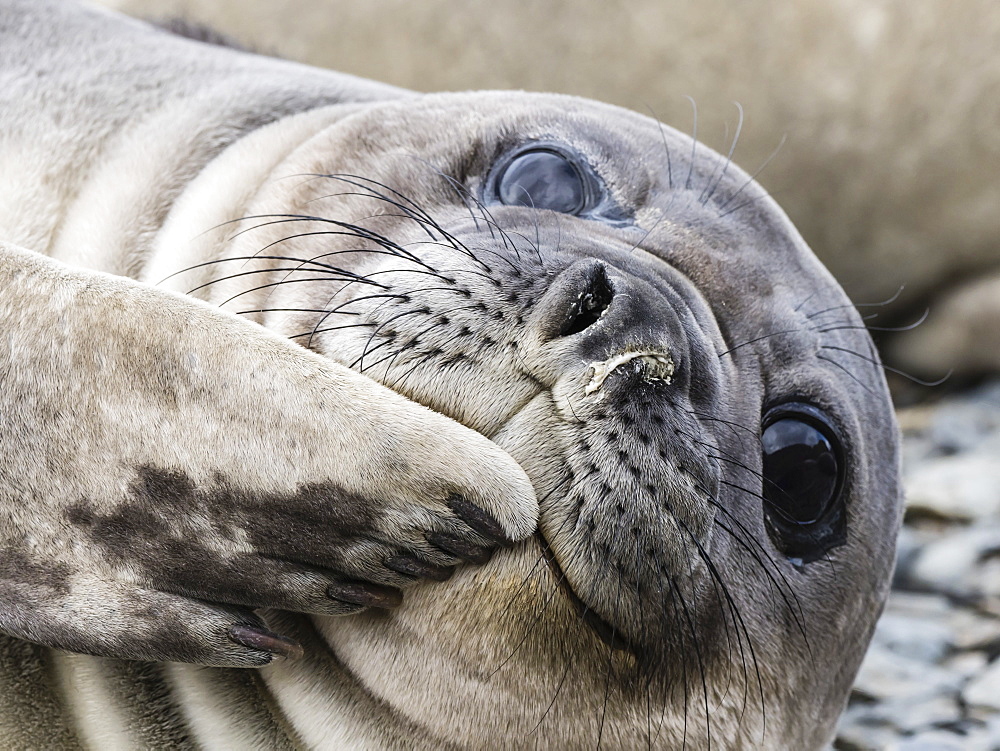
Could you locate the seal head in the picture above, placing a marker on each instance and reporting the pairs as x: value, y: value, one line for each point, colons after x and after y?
x: 697, y: 403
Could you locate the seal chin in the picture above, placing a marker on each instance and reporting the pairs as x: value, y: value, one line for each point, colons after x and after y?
x: 607, y: 633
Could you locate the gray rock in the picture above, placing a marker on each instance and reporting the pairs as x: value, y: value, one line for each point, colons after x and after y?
x: 964, y: 487
x: 917, y: 713
x: 887, y: 675
x: 924, y: 640
x: 859, y: 731
x: 988, y: 576
x: 950, y: 564
x: 940, y: 740
x: 984, y: 690
x: 966, y: 664
x: 928, y: 681
x: 919, y: 605
x: 991, y: 731
x: 974, y: 631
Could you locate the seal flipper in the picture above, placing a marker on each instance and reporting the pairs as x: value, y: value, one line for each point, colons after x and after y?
x: 111, y: 619
x: 159, y: 457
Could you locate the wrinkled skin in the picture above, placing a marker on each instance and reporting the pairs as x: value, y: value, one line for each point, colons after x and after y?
x: 653, y: 606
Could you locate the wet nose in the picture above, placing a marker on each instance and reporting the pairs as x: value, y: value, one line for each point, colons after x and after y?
x: 596, y: 316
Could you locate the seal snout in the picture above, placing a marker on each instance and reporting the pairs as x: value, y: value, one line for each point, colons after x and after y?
x: 602, y: 326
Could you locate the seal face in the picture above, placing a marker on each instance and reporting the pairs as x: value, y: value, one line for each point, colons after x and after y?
x: 693, y: 397
x: 697, y: 405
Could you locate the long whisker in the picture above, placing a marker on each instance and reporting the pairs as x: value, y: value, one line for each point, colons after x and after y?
x: 712, y: 187
x: 751, y: 179
x: 758, y: 339
x: 893, y: 329
x: 882, y: 304
x: 889, y: 368
x: 694, y: 141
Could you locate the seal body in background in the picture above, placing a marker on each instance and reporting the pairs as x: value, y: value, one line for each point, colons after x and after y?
x: 623, y: 311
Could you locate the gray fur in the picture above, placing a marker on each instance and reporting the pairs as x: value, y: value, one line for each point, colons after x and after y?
x: 188, y: 470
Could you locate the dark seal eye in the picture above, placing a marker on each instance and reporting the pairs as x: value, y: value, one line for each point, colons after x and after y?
x: 803, y: 467
x: 542, y: 179
x: 800, y: 467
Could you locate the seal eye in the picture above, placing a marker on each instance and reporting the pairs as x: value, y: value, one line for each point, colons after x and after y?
x: 542, y: 179
x: 803, y: 473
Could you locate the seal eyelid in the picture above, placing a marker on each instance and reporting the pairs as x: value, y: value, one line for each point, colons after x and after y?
x: 548, y: 175
x: 543, y: 178
x: 803, y: 478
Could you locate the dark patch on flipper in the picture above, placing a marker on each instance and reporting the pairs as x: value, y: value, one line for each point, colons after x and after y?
x: 17, y: 565
x: 308, y: 525
x: 192, y: 540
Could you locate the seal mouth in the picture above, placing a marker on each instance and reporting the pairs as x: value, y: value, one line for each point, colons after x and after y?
x: 607, y: 633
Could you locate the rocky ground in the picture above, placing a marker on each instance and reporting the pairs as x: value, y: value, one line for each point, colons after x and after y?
x: 931, y: 680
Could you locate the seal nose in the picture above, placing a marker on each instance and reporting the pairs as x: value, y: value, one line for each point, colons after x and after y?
x: 595, y: 319
x: 577, y: 300
x: 593, y: 299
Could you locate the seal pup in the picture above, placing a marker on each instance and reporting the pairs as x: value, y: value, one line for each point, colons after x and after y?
x: 621, y: 310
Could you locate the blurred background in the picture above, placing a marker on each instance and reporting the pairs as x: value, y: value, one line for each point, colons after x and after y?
x: 888, y: 112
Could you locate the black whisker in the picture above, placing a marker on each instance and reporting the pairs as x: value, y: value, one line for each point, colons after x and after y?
x: 736, y: 615
x: 748, y: 541
x: 758, y: 339
x: 846, y: 371
x: 311, y: 333
x: 404, y: 204
x: 464, y: 193
x: 317, y: 327
x: 272, y: 285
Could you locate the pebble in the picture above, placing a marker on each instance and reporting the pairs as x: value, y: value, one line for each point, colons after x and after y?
x: 962, y: 487
x: 984, y: 689
x: 931, y: 678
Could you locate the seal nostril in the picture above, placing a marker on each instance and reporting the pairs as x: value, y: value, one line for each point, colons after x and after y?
x: 593, y: 301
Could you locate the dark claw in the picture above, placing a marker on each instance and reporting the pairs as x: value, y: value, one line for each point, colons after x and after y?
x: 369, y: 595
x: 467, y: 551
x: 410, y: 566
x: 264, y: 640
x: 481, y: 521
